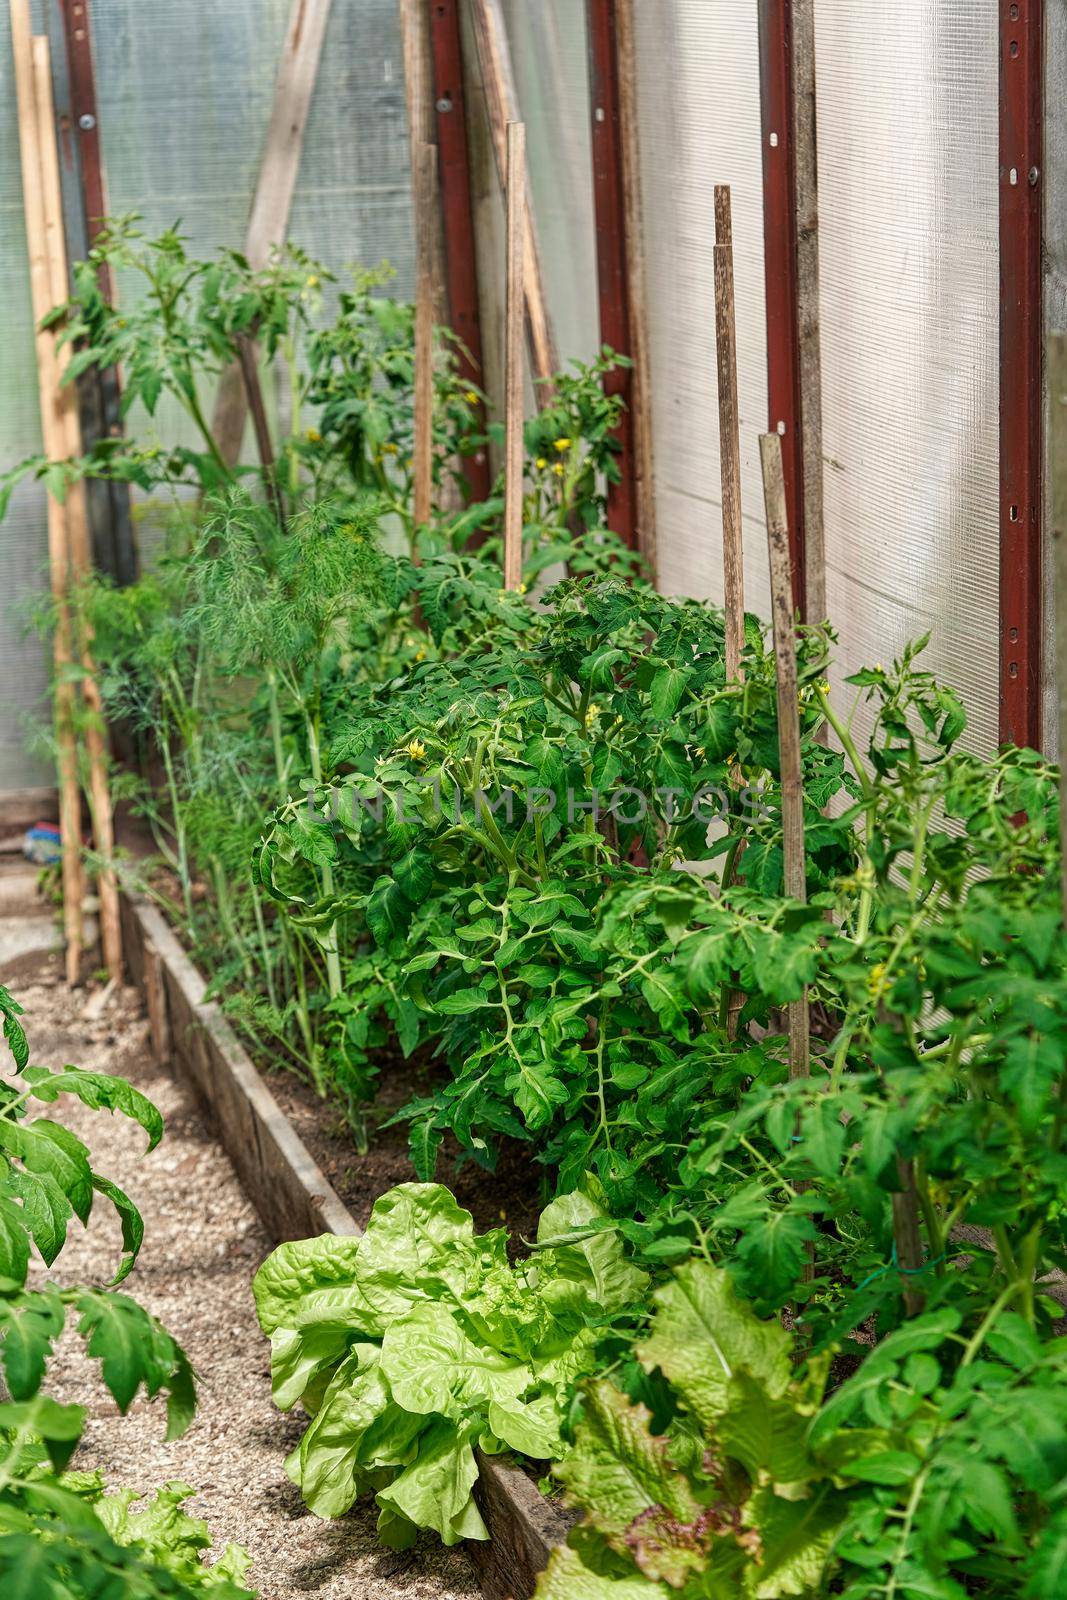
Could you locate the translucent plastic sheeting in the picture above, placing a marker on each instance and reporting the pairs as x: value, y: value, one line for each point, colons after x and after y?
x: 185, y: 95
x: 23, y: 534
x: 699, y: 125
x: 551, y: 63
x: 908, y: 208
x: 547, y: 43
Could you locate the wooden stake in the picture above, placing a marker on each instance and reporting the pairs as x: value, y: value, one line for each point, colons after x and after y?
x: 268, y: 222
x: 785, y: 661
x: 514, y: 387
x: 1056, y: 367
x: 502, y: 106
x: 58, y: 553
x: 76, y: 514
x: 729, y: 435
x: 425, y: 300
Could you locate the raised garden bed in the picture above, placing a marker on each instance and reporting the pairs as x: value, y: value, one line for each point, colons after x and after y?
x: 295, y: 1199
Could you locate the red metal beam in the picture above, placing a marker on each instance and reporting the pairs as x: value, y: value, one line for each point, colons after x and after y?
x: 461, y: 260
x: 77, y: 30
x: 612, y: 244
x: 780, y: 254
x: 1021, y: 420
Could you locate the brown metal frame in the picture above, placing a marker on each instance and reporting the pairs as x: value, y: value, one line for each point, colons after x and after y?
x: 84, y: 207
x: 778, y: 110
x: 1021, y: 397
x: 612, y: 250
x: 461, y: 258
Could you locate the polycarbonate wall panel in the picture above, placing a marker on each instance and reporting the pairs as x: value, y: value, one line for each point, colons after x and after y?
x: 699, y: 124
x: 551, y: 63
x: 23, y: 532
x: 185, y: 95
x: 908, y: 210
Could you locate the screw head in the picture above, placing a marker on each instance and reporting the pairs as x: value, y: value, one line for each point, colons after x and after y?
x: 86, y: 122
x: 444, y: 104
x: 1033, y: 175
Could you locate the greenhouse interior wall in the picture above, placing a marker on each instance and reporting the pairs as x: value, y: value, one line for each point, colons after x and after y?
x: 907, y: 115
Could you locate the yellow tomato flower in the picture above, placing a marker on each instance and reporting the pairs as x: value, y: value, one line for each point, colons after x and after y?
x: 313, y: 282
x: 541, y: 463
x: 522, y: 588
x: 313, y: 436
x: 558, y: 469
x: 389, y: 449
x: 420, y: 653
x: 562, y: 445
x: 415, y: 749
x: 471, y: 398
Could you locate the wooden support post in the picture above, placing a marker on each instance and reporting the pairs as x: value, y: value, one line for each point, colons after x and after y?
x: 1056, y: 369
x: 502, y: 107
x: 268, y: 223
x: 53, y: 434
x: 76, y: 514
x: 785, y: 661
x: 729, y: 435
x: 425, y: 303
x: 514, y: 387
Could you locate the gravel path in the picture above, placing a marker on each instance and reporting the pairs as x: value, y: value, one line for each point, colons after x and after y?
x: 203, y: 1243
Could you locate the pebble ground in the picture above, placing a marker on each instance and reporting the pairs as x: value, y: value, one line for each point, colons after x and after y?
x: 203, y: 1243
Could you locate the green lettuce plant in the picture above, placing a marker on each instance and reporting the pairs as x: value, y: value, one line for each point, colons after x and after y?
x: 419, y: 1343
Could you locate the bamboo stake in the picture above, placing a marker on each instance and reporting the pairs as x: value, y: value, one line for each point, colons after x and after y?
x: 1056, y: 367
x: 58, y: 553
x: 514, y: 395
x: 729, y: 435
x: 502, y: 107
x: 76, y: 514
x: 425, y: 201
x: 785, y: 660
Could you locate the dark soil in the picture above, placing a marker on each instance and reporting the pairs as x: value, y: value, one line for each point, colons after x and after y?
x: 511, y: 1194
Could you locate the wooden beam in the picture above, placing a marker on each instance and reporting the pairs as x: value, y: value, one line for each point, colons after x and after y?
x: 502, y: 107
x: 75, y: 512
x: 53, y: 433
x: 268, y: 223
x: 733, y: 558
x: 514, y: 374
x: 783, y: 609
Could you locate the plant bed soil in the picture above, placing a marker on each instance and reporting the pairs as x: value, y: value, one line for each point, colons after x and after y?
x: 508, y: 1195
